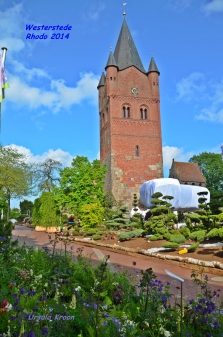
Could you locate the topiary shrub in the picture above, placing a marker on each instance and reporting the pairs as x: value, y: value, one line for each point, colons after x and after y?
x: 177, y: 238
x: 213, y: 233
x: 220, y: 232
x: 156, y: 237
x: 125, y: 236
x: 173, y: 245
x: 185, y: 232
x: 90, y: 232
x: 174, y: 231
x: 193, y: 247
x: 75, y: 233
x: 167, y: 235
x: 96, y: 237
x: 197, y: 235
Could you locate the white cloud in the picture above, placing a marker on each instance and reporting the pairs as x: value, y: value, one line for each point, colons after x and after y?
x: 189, y: 87
x: 176, y: 153
x: 29, y: 73
x: 179, y: 5
x: 62, y: 156
x: 95, y: 11
x: 214, y: 113
x: 210, y: 115
x: 22, y: 92
x: 213, y: 6
x: 60, y: 96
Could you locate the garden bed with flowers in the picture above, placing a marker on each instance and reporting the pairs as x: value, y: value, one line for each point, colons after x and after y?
x: 50, y: 295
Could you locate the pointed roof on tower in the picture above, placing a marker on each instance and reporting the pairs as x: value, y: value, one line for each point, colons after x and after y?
x: 126, y: 54
x: 111, y: 61
x: 102, y: 81
x: 153, y: 67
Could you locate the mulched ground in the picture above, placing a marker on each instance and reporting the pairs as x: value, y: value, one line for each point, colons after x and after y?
x: 206, y: 254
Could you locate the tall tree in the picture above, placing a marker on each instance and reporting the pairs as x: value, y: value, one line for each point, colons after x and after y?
x: 211, y: 165
x: 80, y: 184
x: 16, y: 176
x: 48, y: 174
x: 26, y: 207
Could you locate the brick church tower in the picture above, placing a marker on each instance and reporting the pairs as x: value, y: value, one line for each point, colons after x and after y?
x: 130, y: 127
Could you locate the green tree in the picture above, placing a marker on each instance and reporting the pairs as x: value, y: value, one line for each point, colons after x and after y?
x: 211, y: 165
x: 92, y: 215
x: 26, y: 207
x: 45, y: 212
x: 14, y: 213
x: 48, y: 174
x: 81, y: 184
x: 16, y: 176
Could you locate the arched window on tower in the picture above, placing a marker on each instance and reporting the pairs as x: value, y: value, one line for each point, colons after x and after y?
x: 141, y: 113
x: 137, y: 150
x: 145, y: 114
x: 123, y: 112
x: 128, y: 112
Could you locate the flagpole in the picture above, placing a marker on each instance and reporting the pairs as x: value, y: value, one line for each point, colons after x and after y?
x: 4, y: 51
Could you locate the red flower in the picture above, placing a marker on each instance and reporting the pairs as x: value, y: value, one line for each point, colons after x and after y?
x: 83, y: 314
x: 4, y: 303
x: 11, y: 284
x: 2, y: 309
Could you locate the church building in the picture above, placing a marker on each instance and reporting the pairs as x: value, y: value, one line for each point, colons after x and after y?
x: 130, y: 125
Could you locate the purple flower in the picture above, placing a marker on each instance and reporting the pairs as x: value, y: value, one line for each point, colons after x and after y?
x: 22, y: 291
x: 44, y: 331
x: 31, y: 334
x: 187, y: 334
x: 164, y: 299
x: 31, y: 293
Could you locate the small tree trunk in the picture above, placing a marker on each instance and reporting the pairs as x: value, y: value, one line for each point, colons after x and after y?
x: 8, y: 202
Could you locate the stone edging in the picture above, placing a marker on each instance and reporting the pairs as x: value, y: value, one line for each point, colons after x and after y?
x: 184, y: 261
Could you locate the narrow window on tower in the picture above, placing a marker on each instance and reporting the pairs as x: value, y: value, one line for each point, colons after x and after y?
x: 145, y: 114
x: 137, y: 150
x: 141, y: 113
x: 123, y: 112
x: 128, y: 112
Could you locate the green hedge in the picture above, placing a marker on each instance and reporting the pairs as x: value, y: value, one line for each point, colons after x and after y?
x: 185, y: 232
x: 96, y: 237
x: 177, y: 238
x: 173, y: 245
x: 130, y: 235
x: 198, y: 235
x: 156, y: 237
x: 193, y: 247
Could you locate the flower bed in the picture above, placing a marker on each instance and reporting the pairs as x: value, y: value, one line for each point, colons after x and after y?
x: 46, y: 295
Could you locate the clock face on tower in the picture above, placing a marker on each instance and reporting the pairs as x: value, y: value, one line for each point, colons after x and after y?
x: 134, y: 90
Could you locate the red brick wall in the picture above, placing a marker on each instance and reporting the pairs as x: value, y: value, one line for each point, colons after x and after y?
x: 119, y: 136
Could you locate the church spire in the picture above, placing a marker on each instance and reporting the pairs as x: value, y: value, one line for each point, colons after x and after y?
x: 111, y: 61
x: 153, y: 67
x: 126, y: 54
x: 102, y: 81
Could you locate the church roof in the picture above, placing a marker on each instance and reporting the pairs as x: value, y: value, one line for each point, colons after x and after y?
x: 111, y: 61
x: 126, y: 54
x: 102, y: 81
x: 153, y: 67
x: 188, y: 172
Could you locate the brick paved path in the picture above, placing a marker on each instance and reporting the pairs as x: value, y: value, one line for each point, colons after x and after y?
x: 118, y: 262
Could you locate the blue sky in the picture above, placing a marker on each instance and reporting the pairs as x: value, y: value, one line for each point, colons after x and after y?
x: 51, y: 107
